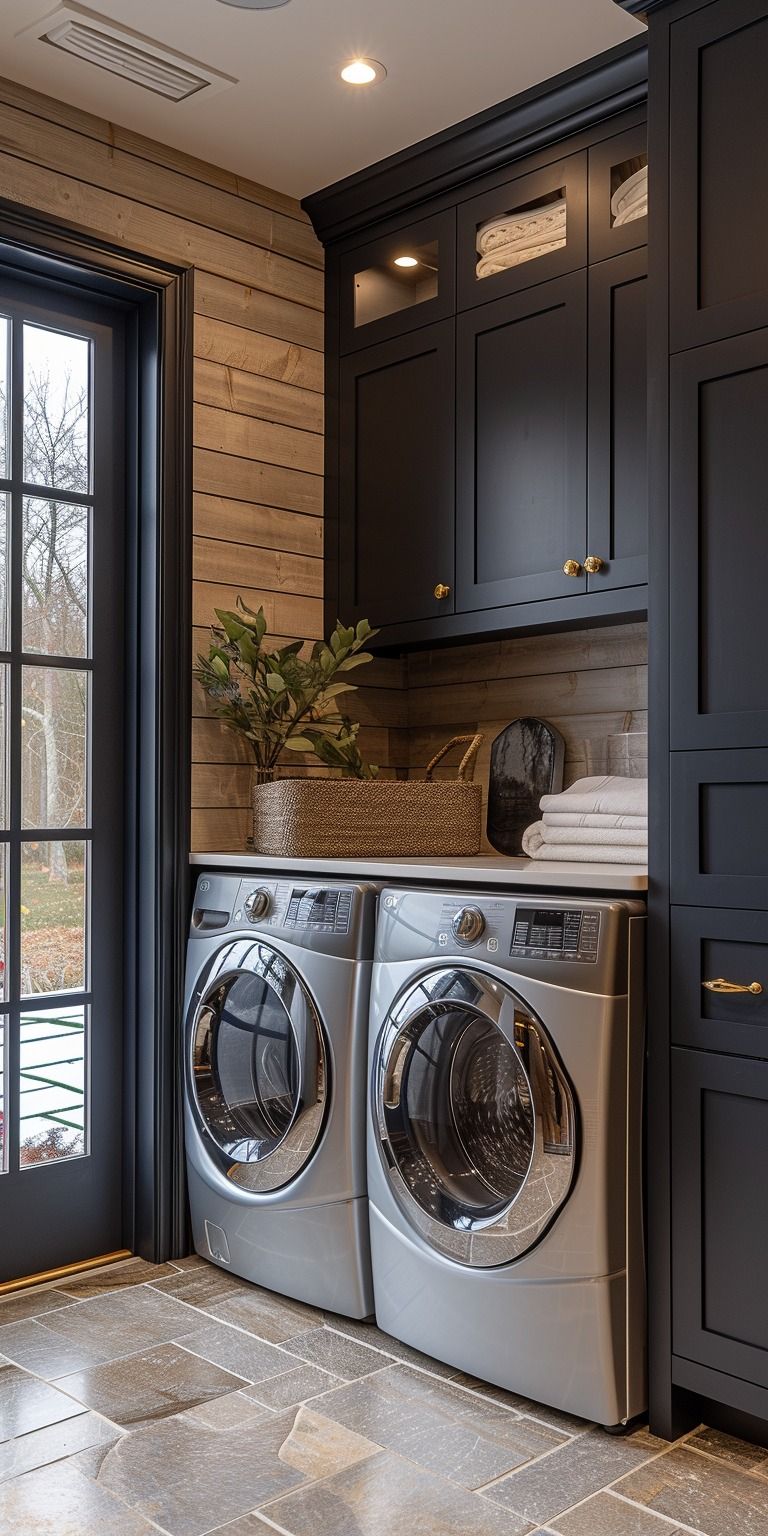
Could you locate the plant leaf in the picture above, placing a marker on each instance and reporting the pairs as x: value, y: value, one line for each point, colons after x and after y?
x: 299, y: 743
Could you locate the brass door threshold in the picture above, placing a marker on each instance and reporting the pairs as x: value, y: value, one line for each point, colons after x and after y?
x: 64, y: 1271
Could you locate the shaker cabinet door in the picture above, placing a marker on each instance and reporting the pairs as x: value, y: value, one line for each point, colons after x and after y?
x: 617, y: 533
x: 719, y: 172
x: 720, y: 1213
x: 396, y: 478
x: 521, y: 446
x: 719, y: 544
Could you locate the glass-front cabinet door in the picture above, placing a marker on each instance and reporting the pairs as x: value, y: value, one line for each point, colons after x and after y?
x: 523, y: 232
x: 61, y: 777
x: 398, y: 282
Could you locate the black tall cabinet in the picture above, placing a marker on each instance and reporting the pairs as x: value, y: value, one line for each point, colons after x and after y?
x: 708, y: 629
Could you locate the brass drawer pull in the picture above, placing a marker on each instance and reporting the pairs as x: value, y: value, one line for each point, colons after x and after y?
x: 721, y: 985
x: 442, y: 591
x: 571, y: 568
x: 593, y: 564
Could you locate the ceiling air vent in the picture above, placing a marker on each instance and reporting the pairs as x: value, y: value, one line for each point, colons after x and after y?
x: 120, y: 51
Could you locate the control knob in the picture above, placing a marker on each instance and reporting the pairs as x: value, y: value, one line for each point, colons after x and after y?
x: 257, y: 904
x: 468, y: 925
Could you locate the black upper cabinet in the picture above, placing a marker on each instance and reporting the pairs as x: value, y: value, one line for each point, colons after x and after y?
x: 616, y: 165
x: 521, y: 445
x: 396, y: 478
x: 398, y: 282
x: 543, y: 214
x: 719, y: 544
x: 617, y: 533
x: 485, y: 428
x: 719, y: 172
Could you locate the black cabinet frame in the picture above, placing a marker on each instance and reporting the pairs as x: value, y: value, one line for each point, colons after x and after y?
x: 569, y: 174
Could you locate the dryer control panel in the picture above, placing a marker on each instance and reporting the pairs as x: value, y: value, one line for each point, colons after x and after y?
x: 555, y: 933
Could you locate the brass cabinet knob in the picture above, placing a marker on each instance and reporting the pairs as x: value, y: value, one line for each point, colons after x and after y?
x: 593, y: 564
x: 721, y: 985
x: 442, y: 591
x: 572, y: 568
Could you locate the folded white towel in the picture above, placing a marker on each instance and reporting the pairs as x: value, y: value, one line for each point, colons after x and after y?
x: 546, y: 222
x: 581, y: 853
x: 628, y: 215
x: 609, y: 794
x: 593, y: 819
x: 506, y: 257
x: 590, y: 837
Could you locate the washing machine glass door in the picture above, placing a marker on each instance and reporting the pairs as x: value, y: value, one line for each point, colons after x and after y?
x: 476, y: 1119
x: 258, y: 1069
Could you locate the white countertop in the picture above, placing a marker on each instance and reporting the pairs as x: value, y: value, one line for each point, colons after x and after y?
x: 483, y: 870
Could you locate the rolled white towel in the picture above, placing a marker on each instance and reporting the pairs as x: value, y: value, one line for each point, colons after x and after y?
x: 593, y: 819
x: 581, y: 853
x: 591, y: 837
x: 608, y: 794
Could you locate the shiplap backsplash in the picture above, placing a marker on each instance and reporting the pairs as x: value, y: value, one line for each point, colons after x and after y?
x: 589, y: 683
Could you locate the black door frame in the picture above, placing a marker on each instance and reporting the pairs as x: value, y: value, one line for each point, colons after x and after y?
x: 158, y: 300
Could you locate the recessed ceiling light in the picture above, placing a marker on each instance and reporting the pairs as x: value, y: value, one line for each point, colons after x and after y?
x: 363, y: 72
x: 406, y: 261
x: 256, y: 5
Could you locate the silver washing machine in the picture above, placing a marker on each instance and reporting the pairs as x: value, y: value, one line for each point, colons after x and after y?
x: 504, y: 1141
x: 275, y: 1040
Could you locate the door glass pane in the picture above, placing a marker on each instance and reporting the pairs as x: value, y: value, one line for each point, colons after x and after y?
x: 521, y: 234
x: 5, y: 512
x: 458, y: 1108
x: 407, y: 278
x: 53, y: 908
x: 245, y: 1067
x: 55, y: 577
x: 3, y: 1116
x: 56, y: 409
x: 52, y: 1084
x: 4, y: 743
x: 54, y: 767
x: 5, y: 376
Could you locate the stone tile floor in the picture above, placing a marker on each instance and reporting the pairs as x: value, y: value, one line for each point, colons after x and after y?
x: 177, y: 1398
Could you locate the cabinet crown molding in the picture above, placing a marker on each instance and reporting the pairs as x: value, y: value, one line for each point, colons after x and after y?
x: 545, y: 115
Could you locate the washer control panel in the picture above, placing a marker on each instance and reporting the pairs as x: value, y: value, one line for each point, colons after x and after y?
x: 318, y: 908
x: 555, y: 933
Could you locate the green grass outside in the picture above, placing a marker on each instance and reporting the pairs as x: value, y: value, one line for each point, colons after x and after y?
x: 51, y: 905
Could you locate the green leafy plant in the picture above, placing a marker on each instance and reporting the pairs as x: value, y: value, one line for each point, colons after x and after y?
x: 280, y: 700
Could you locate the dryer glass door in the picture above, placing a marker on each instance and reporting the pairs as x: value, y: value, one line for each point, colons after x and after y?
x: 258, y: 1066
x: 475, y: 1116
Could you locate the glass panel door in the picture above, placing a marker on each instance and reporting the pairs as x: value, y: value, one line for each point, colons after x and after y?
x: 62, y: 476
x: 476, y: 1119
x: 258, y: 1067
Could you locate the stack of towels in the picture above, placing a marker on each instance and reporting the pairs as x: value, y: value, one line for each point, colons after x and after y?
x: 630, y: 200
x: 598, y: 820
x: 517, y: 237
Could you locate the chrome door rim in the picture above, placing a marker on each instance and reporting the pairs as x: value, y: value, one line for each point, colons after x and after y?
x: 482, y: 1242
x: 295, y: 1148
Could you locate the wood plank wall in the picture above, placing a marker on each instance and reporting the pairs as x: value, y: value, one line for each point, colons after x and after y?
x: 258, y: 377
x: 588, y: 683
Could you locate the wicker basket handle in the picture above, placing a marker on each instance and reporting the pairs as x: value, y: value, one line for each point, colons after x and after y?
x: 467, y: 764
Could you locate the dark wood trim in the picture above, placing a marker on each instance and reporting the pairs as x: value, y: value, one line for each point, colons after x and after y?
x: 670, y: 1413
x: 547, y: 114
x: 159, y: 297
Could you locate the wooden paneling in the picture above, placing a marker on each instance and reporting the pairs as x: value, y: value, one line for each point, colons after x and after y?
x: 258, y: 341
x: 590, y: 684
x: 230, y: 389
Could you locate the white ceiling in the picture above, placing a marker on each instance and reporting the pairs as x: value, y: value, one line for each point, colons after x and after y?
x: 290, y: 122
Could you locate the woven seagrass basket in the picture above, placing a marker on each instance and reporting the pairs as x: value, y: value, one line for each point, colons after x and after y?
x: 371, y: 818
